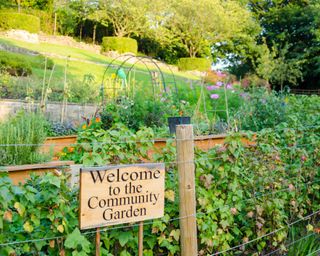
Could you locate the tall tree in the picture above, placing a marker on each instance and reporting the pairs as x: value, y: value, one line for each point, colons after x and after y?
x: 128, y: 17
x: 197, y: 25
x: 295, y: 26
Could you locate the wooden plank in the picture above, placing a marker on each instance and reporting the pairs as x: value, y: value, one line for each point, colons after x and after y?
x: 187, y: 205
x: 18, y: 174
x: 112, y: 195
x: 49, y: 165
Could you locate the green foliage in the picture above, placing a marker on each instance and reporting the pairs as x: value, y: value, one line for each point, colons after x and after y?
x: 44, y: 206
x: 200, y: 64
x: 120, y: 44
x: 242, y: 193
x: 14, y: 64
x: 20, y: 137
x: 246, y: 192
x: 96, y: 146
x: 46, y: 20
x: 263, y: 109
x: 11, y: 20
x: 127, y: 17
x: 144, y: 111
x: 20, y: 64
x: 60, y: 129
x: 293, y: 26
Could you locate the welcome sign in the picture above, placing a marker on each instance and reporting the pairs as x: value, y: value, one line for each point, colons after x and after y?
x: 121, y: 194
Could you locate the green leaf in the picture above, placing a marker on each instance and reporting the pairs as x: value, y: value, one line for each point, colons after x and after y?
x: 75, y: 239
x: 51, y: 179
x: 125, y: 253
x: 124, y: 237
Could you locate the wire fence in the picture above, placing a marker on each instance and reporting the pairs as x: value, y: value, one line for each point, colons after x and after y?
x: 259, y: 192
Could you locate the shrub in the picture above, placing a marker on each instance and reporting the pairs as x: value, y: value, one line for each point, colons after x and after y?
x: 46, y: 21
x: 262, y: 110
x: 11, y: 20
x: 200, y: 64
x: 14, y: 64
x: 20, y: 137
x: 120, y: 44
x: 91, y: 135
x: 21, y: 64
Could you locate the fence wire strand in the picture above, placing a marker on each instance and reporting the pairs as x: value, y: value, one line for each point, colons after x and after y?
x: 268, y: 234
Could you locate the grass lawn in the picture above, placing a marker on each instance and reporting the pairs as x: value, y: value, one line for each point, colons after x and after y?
x: 79, y: 68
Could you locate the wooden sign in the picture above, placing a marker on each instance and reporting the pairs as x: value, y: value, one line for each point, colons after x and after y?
x: 121, y: 194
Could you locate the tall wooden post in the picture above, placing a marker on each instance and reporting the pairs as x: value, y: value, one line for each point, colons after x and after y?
x: 186, y: 170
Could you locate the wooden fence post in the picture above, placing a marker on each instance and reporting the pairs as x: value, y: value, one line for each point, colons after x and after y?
x: 186, y: 170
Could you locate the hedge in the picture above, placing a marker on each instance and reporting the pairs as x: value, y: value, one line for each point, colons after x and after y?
x: 11, y: 20
x: 14, y: 64
x: 200, y: 64
x: 21, y: 64
x: 119, y: 44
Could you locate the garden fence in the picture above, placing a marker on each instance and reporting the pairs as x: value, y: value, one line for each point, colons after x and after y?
x: 185, y: 164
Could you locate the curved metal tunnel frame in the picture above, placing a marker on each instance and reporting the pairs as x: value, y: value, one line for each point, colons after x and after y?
x: 140, y: 59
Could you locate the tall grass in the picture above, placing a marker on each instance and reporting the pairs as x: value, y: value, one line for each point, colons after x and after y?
x: 20, y: 137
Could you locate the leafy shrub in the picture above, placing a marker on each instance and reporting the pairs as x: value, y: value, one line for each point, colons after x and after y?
x: 20, y: 137
x: 44, y: 206
x: 263, y: 109
x: 247, y: 192
x: 200, y: 64
x: 46, y: 21
x: 21, y: 64
x: 139, y: 112
x: 120, y: 44
x: 60, y: 129
x: 252, y: 80
x: 13, y: 64
x: 96, y: 146
x: 11, y: 20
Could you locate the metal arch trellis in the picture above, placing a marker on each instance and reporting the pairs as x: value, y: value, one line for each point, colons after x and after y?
x: 144, y: 60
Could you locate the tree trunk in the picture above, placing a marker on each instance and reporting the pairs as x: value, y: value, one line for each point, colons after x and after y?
x: 18, y: 1
x: 94, y: 33
x: 192, y: 53
x: 55, y: 24
x: 81, y: 26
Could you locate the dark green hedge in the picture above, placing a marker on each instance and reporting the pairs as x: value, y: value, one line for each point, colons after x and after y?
x: 120, y: 44
x: 11, y: 20
x: 20, y: 64
x: 200, y: 64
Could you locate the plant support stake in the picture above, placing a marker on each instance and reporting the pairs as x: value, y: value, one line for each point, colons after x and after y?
x: 140, y: 238
x: 98, y: 242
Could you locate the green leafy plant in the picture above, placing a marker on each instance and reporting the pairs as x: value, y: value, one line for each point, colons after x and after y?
x: 96, y: 146
x: 20, y: 139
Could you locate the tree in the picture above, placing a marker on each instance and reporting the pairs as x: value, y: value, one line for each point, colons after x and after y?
x: 294, y: 26
x: 128, y: 17
x: 197, y: 25
x: 97, y: 17
x: 81, y: 9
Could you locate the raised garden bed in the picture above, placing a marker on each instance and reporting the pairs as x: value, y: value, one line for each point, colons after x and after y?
x: 56, y: 144
x: 18, y: 173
